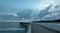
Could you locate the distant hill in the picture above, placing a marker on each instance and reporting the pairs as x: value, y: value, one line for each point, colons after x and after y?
x: 51, y: 21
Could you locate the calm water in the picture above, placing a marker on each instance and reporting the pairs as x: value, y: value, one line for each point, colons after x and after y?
x: 11, y: 27
x: 54, y: 26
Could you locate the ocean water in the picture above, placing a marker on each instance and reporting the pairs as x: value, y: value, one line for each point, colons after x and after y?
x: 11, y: 27
x: 53, y: 26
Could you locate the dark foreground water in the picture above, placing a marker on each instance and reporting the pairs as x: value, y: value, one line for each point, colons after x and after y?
x: 11, y: 27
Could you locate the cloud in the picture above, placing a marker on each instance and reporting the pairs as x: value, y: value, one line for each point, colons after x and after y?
x: 55, y: 13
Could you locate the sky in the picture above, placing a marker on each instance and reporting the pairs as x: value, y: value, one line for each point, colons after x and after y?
x: 12, y: 6
x: 20, y: 3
